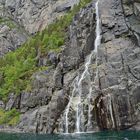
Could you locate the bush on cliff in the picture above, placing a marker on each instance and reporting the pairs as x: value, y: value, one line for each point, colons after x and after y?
x: 16, y: 68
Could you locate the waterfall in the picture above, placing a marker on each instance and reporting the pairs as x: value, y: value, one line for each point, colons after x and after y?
x: 98, y: 29
x: 111, y: 111
x: 78, y: 85
x: 96, y: 44
x: 84, y: 75
x: 69, y: 105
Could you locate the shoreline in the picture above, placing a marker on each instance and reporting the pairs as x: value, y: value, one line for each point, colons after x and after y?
x: 10, y: 130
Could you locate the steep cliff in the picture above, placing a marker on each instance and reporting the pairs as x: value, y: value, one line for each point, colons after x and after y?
x: 108, y: 86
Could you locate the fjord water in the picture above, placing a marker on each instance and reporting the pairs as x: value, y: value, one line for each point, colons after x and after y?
x: 124, y: 135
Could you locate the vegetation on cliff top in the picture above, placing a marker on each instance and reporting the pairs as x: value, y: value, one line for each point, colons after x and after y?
x: 16, y: 68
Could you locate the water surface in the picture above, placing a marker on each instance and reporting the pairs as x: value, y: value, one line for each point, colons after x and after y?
x: 124, y: 135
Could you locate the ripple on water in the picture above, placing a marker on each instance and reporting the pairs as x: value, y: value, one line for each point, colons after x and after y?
x: 110, y: 135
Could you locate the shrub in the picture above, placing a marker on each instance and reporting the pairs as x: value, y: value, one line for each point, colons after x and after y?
x: 16, y: 68
x: 9, y: 117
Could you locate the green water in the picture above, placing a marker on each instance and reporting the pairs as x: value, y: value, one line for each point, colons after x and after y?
x: 125, y: 135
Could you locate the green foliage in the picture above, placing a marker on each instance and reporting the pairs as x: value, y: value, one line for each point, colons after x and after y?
x: 8, y: 22
x: 16, y: 68
x: 9, y: 117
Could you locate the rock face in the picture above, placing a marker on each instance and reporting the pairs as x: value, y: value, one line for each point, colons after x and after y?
x: 58, y: 84
x: 119, y: 72
x: 115, y: 95
x: 35, y: 15
x: 20, y: 19
x: 12, y: 35
x: 10, y: 39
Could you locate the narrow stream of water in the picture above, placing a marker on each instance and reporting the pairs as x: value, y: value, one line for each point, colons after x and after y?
x: 78, y: 84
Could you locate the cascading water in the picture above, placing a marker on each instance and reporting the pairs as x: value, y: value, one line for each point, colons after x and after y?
x: 69, y: 104
x: 77, y: 91
x: 96, y: 45
x: 110, y: 109
x: 98, y: 29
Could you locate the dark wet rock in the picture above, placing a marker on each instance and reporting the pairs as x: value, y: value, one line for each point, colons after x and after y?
x: 2, y: 105
x: 52, y: 57
x: 11, y: 102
